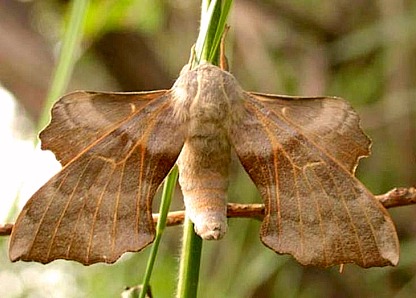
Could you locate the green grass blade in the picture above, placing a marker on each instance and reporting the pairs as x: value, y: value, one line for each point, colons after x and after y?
x: 220, y: 30
x: 70, y: 45
x: 190, y: 262
x: 167, y: 193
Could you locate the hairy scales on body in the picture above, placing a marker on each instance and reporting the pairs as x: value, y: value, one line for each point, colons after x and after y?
x: 208, y: 100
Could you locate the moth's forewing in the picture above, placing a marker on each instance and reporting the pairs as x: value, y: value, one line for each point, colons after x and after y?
x: 81, y: 118
x: 301, y: 153
x: 328, y: 122
x: 99, y: 205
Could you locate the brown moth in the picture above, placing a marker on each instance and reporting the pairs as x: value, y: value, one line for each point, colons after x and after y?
x: 116, y: 149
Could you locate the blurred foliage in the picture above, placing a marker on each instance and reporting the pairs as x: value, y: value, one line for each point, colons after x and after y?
x: 362, y: 50
x: 142, y: 15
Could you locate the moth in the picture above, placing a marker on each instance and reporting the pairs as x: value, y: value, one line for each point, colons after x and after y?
x: 116, y: 149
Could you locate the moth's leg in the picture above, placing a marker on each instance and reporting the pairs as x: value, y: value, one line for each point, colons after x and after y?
x: 223, y: 58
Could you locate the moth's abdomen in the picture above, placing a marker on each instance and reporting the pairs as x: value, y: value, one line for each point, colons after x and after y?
x: 203, y: 176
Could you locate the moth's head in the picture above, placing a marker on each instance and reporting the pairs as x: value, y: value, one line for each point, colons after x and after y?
x: 206, y: 80
x: 204, y: 76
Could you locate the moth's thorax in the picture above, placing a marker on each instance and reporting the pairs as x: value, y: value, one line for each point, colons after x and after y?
x: 207, y: 100
x: 207, y: 93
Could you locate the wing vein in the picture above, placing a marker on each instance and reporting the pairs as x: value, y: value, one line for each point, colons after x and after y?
x: 58, y: 223
x: 349, y: 216
x: 115, y: 214
x: 47, y: 209
x: 97, y: 208
x: 318, y: 209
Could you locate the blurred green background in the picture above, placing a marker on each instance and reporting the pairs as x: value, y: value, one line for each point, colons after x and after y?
x: 362, y: 50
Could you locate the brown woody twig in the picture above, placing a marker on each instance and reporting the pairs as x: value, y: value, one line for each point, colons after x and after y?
x: 396, y: 197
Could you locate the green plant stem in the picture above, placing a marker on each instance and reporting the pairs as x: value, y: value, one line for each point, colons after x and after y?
x: 207, y: 29
x: 222, y: 21
x: 190, y: 262
x: 213, y: 20
x: 70, y: 45
x: 168, y: 188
